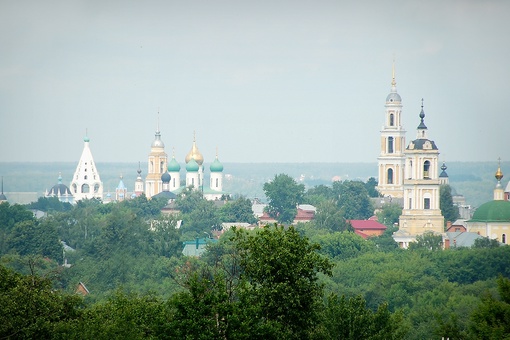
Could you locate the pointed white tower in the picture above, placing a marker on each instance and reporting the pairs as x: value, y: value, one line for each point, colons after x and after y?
x: 139, y: 182
x: 86, y: 183
x: 421, y: 210
x: 216, y: 180
x: 174, y: 170
x: 195, y: 155
x: 2, y: 196
x: 392, y: 159
x: 157, y: 166
x: 193, y: 174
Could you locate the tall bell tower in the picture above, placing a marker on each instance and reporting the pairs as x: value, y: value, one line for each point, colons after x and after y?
x: 157, y: 166
x: 421, y: 210
x: 392, y: 159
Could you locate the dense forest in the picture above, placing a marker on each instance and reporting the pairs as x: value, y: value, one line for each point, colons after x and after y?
x: 315, y: 280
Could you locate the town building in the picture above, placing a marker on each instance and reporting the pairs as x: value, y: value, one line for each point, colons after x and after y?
x: 368, y: 228
x: 392, y: 158
x: 61, y: 191
x: 160, y: 168
x: 421, y: 211
x: 86, y: 183
x: 492, y: 219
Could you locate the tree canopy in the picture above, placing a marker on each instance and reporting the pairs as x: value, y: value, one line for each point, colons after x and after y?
x: 284, y: 195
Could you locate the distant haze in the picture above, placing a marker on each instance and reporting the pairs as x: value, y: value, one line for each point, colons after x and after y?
x: 260, y: 81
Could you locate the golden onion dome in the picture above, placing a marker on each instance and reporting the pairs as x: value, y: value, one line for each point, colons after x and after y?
x: 499, y: 174
x: 195, y: 154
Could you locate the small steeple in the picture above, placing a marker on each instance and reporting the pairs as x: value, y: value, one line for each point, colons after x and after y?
x: 422, y: 127
x: 499, y: 193
x: 2, y: 196
x: 393, y: 82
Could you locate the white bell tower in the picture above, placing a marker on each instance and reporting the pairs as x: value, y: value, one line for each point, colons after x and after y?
x: 392, y: 159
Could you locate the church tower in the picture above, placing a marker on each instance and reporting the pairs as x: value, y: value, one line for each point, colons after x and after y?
x: 196, y: 174
x: 391, y: 159
x: 139, y: 182
x: 421, y: 210
x: 157, y: 165
x: 216, y: 178
x: 121, y: 191
x: 174, y: 170
x: 86, y: 183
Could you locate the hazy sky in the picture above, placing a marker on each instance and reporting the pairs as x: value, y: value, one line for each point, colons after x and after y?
x: 263, y: 81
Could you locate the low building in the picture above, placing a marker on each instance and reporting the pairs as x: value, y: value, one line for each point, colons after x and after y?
x: 368, y: 228
x: 197, y: 247
x: 492, y: 219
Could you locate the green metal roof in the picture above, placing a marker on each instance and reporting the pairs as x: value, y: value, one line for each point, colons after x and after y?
x: 493, y: 211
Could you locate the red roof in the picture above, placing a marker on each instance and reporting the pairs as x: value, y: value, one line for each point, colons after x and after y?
x: 367, y: 224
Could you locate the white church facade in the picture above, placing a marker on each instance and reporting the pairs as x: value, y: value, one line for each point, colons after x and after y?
x: 410, y: 174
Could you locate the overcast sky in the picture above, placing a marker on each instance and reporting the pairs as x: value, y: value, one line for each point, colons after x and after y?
x: 262, y: 81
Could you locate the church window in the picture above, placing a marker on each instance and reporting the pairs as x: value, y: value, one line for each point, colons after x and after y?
x: 75, y: 188
x: 503, y: 238
x: 151, y: 167
x: 161, y: 167
x: 410, y: 169
x: 390, y: 144
x: 426, y: 167
x: 85, y: 188
x: 390, y: 176
x: 392, y: 119
x: 410, y: 203
x: 193, y: 182
x: 216, y: 182
x: 85, y: 177
x: 96, y: 187
x: 426, y: 203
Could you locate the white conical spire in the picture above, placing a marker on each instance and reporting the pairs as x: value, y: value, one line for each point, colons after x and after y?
x: 86, y: 183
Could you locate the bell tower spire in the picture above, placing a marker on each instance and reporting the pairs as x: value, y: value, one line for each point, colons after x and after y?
x: 391, y: 158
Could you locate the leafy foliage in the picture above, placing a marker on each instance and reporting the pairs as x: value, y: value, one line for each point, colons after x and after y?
x: 448, y: 209
x: 280, y: 278
x: 389, y: 214
x: 353, y: 199
x: 428, y: 241
x: 284, y: 194
x: 238, y: 210
x: 49, y: 204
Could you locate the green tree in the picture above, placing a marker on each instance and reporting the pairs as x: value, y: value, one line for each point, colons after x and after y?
x: 371, y: 186
x: 448, y: 209
x: 238, y: 210
x: 385, y: 242
x: 49, y: 204
x: 351, y: 319
x: 284, y: 195
x: 343, y: 245
x: 491, y: 319
x: 486, y: 242
x: 389, y: 214
x: 428, y: 241
x: 329, y: 217
x: 318, y: 194
x: 353, y: 199
x: 33, y: 238
x: 31, y: 308
x: 9, y: 216
x: 279, y: 279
